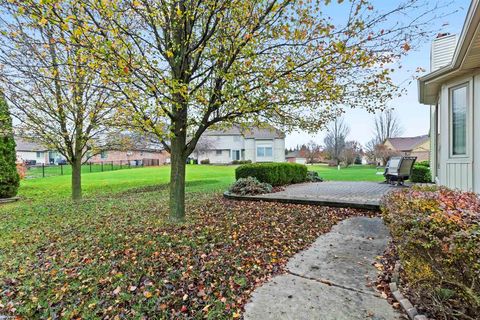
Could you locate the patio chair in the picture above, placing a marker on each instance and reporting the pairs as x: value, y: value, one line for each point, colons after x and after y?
x: 399, y: 169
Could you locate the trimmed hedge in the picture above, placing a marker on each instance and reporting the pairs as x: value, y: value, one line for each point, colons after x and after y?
x: 241, y: 161
x: 421, y: 174
x: 424, y: 163
x: 276, y: 174
x: 437, y: 234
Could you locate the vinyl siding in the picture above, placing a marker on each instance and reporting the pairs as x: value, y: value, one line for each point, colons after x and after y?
x: 457, y: 172
x: 226, y: 143
x: 442, y: 52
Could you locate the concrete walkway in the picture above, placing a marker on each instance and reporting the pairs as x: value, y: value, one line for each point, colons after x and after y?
x: 332, y: 280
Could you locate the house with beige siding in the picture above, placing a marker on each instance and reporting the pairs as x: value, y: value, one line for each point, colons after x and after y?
x: 410, y: 146
x: 452, y: 90
x: 296, y: 157
x: 265, y: 144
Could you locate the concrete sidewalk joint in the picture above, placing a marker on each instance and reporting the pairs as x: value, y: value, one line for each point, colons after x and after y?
x: 331, y: 280
x: 330, y: 283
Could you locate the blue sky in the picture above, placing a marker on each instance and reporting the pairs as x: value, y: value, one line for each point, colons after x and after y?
x: 413, y: 116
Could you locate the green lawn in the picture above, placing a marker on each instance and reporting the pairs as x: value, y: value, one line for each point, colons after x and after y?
x: 114, y: 254
x: 352, y: 173
x: 199, y: 178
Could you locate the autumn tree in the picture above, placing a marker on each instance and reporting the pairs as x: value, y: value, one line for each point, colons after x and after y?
x: 9, y: 179
x: 336, y: 138
x: 352, y: 150
x: 387, y: 126
x: 383, y: 153
x: 312, y: 152
x: 184, y: 66
x: 370, y: 150
x: 48, y: 77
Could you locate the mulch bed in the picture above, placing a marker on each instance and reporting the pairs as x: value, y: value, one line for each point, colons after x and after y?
x: 387, y: 261
x: 386, y: 266
x: 278, y: 189
x: 118, y: 265
x: 9, y: 200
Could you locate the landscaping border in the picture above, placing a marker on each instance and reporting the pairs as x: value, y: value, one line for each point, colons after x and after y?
x: 9, y: 200
x: 317, y: 202
x: 407, y: 306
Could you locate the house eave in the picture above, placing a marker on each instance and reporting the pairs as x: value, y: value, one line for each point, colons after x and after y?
x: 429, y: 85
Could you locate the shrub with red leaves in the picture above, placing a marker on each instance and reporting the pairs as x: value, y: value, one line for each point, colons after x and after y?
x: 21, y: 169
x: 437, y: 233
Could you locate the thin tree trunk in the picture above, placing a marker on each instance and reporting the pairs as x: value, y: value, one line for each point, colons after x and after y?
x: 77, y: 179
x: 179, y: 28
x: 177, y: 177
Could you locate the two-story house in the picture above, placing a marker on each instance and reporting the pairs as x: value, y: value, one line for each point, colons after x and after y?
x: 265, y: 144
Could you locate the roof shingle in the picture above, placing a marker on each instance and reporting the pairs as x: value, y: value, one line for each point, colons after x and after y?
x: 26, y: 145
x: 267, y: 132
x: 407, y: 143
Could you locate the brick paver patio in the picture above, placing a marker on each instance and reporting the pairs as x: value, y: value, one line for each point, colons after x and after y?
x: 356, y: 194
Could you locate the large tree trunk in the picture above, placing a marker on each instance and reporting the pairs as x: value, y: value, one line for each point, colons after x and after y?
x: 177, y: 177
x: 77, y: 179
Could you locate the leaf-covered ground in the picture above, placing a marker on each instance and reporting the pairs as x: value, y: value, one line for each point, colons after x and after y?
x: 116, y: 258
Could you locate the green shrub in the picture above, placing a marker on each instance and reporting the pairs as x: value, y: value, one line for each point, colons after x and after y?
x: 421, y: 174
x: 312, y: 176
x: 437, y: 234
x: 241, y: 161
x: 276, y: 174
x: 9, y: 178
x: 205, y: 161
x: 424, y: 163
x: 250, y: 186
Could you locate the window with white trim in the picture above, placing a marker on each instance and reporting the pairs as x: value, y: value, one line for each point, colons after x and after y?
x: 264, y: 151
x: 458, y: 123
x: 235, y: 154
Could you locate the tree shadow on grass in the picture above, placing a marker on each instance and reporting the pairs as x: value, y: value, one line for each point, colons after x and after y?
x: 164, y: 187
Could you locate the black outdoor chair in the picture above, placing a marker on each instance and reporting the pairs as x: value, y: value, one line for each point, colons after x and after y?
x: 399, y: 169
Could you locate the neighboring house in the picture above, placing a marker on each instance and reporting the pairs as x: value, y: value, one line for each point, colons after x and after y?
x: 256, y: 144
x: 296, y: 157
x: 133, y: 156
x: 35, y: 153
x: 452, y: 89
x: 410, y: 146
